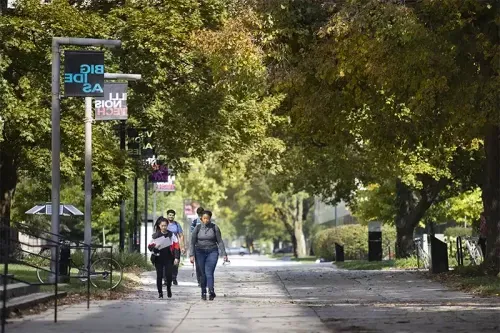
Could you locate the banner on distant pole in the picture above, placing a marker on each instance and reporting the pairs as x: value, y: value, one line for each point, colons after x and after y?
x: 168, y: 186
x: 113, y: 106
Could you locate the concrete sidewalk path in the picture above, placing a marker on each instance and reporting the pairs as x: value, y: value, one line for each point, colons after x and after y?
x: 257, y: 294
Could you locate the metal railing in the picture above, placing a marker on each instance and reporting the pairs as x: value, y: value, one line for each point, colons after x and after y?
x: 14, y: 251
x: 421, y: 254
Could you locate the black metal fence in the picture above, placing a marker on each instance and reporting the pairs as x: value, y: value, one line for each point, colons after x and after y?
x: 49, y: 254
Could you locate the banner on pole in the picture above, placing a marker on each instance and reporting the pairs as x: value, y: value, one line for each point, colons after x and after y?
x: 83, y: 74
x: 160, y: 173
x: 190, y: 207
x: 140, y: 143
x: 113, y: 106
x: 168, y: 186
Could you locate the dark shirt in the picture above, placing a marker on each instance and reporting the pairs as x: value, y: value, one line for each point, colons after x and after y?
x: 207, y: 237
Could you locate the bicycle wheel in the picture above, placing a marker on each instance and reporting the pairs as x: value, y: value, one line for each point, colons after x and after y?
x: 42, y: 262
x: 106, y: 272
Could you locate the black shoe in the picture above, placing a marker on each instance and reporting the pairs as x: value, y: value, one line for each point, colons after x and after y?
x: 212, y: 295
x: 160, y: 296
x: 204, y: 297
x: 175, y: 282
x: 169, y: 293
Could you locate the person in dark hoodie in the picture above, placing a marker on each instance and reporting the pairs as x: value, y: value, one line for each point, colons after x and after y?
x: 166, y: 254
x: 206, y: 242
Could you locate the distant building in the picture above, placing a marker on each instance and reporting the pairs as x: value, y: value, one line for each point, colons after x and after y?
x: 332, y: 215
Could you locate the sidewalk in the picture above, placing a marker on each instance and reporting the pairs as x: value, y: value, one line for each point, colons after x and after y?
x: 249, y: 299
x: 263, y: 295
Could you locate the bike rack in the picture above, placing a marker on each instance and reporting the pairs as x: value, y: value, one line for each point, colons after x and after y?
x: 7, y: 249
x: 460, y: 252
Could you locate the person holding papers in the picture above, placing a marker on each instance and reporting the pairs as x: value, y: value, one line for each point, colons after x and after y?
x: 166, y: 254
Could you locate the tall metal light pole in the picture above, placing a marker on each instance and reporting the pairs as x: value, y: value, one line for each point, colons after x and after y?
x: 134, y: 238
x: 88, y: 162
x: 56, y: 125
x: 146, y: 217
x: 128, y: 77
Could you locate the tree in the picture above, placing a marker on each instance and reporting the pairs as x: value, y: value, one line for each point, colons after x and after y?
x: 26, y: 34
x: 358, y: 108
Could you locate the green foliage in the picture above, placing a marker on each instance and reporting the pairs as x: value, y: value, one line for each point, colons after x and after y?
x: 362, y: 265
x: 457, y: 231
x: 464, y: 208
x: 375, y: 203
x: 354, y: 238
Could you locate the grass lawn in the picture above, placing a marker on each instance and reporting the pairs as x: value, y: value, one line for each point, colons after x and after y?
x: 305, y: 259
x: 363, y: 265
x: 292, y: 258
x: 75, y: 285
x: 470, y: 279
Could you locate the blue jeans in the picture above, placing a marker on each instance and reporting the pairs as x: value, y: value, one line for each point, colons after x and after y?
x: 207, y: 259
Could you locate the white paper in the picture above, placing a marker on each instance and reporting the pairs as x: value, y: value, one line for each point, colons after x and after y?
x: 161, y: 242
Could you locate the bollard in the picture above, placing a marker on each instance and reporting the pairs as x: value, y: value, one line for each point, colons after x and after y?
x: 339, y: 253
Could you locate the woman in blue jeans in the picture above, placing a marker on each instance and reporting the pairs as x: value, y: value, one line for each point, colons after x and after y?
x: 206, y: 242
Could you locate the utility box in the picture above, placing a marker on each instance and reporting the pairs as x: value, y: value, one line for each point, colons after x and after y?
x: 439, y: 255
x: 375, y: 241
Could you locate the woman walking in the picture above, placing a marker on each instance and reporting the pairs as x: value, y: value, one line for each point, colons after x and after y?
x: 166, y: 254
x: 206, y: 242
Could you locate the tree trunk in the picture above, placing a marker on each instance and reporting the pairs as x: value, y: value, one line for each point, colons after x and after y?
x: 410, y: 210
x: 298, y: 228
x: 289, y: 226
x: 8, y: 181
x: 491, y: 199
x: 294, y: 245
x: 405, y: 203
x: 3, y: 6
x: 249, y: 243
x: 276, y: 244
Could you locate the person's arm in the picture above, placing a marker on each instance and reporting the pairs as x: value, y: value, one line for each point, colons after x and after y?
x: 194, y: 239
x: 181, y: 238
x: 152, y: 245
x: 193, y: 225
x: 220, y: 242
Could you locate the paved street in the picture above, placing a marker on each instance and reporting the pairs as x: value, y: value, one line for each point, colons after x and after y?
x: 257, y: 294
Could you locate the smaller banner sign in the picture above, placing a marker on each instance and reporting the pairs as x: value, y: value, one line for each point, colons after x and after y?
x: 166, y: 186
x: 113, y: 106
x: 190, y: 207
x: 133, y: 142
x: 84, y: 73
x: 160, y: 172
x: 147, y: 149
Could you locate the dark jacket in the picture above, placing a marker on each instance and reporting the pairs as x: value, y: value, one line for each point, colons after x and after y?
x: 172, y: 251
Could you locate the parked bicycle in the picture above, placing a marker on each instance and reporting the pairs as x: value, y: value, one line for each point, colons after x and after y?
x: 104, y: 271
x: 475, y: 253
x: 422, y: 255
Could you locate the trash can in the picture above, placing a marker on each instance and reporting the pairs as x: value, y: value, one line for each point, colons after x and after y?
x: 339, y: 253
x: 64, y: 261
x: 375, y: 241
x: 439, y: 255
